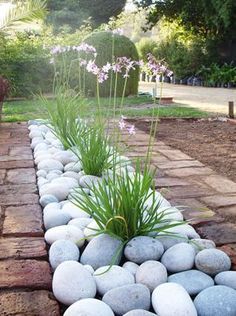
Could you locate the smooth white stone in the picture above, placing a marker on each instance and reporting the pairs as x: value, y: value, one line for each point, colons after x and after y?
x: 111, y: 277
x: 131, y: 267
x: 171, y: 299
x: 64, y: 157
x: 63, y: 250
x: 73, y: 166
x: 91, y: 230
x: 89, y: 307
x: 81, y: 223
x: 50, y: 164
x: 74, y: 211
x: 67, y: 232
x: 72, y: 282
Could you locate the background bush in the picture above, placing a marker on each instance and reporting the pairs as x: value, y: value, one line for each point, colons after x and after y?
x: 102, y: 41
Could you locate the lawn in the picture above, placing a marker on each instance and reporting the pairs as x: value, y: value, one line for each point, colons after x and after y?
x: 133, y: 107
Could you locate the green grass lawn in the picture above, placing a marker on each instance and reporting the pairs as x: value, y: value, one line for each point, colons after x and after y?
x: 31, y: 109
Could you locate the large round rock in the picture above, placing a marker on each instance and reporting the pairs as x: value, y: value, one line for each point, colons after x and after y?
x: 50, y: 164
x: 101, y: 250
x: 126, y: 298
x: 68, y: 232
x: 143, y: 248
x: 89, y: 307
x: 63, y: 250
x: 171, y: 299
x: 217, y: 300
x: 193, y: 281
x: 151, y: 273
x: 212, y: 261
x: 108, y: 278
x: 179, y: 258
x: 72, y: 282
x: 139, y: 312
x: 227, y: 278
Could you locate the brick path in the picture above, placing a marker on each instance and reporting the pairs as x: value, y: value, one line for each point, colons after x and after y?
x: 25, y: 276
x: 209, y: 197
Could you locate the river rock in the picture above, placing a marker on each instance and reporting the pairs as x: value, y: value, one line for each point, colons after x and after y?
x: 54, y: 218
x: 151, y: 273
x: 73, y: 166
x: 41, y: 157
x: 52, y: 175
x: 111, y: 277
x: 193, y: 281
x: 212, y: 261
x: 81, y: 223
x: 72, y: 282
x: 143, y: 248
x: 89, y: 268
x: 170, y: 241
x: 91, y: 230
x: 101, y: 251
x: 74, y: 211
x: 47, y: 199
x: 89, y: 307
x: 58, y: 190
x: 201, y: 244
x: 227, y: 278
x: 71, y: 174
x: 41, y: 181
x: 185, y: 229
x: 128, y: 297
x: 41, y: 173
x: 131, y: 267
x: 171, y: 299
x: 139, y: 312
x: 64, y: 157
x: 217, y: 300
x: 67, y: 232
x: 50, y: 164
x: 63, y: 250
x: 179, y: 258
x: 88, y: 181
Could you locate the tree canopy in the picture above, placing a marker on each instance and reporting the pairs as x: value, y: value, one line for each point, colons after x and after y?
x: 73, y: 13
x: 214, y: 18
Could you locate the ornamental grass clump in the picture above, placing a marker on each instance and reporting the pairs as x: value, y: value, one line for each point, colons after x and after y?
x: 93, y: 149
x: 63, y: 115
x: 125, y: 206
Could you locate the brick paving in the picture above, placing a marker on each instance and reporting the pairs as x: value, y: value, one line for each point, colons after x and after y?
x: 25, y: 274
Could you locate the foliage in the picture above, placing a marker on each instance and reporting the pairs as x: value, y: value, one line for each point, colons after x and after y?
x: 125, y: 206
x: 214, y: 20
x: 103, y: 42
x: 215, y: 74
x: 63, y: 115
x: 93, y: 149
x: 70, y: 15
x: 25, y: 12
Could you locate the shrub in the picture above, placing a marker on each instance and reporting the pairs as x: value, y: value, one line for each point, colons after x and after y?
x: 103, y: 42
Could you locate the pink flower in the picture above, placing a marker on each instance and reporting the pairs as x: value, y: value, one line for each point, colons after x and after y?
x: 131, y: 130
x: 92, y: 67
x: 106, y: 67
x: 121, y: 124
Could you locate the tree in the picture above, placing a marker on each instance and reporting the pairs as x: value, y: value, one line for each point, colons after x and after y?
x: 213, y: 19
x: 71, y: 14
x: 23, y: 12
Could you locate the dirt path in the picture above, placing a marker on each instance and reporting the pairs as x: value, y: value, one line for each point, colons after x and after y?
x: 207, y: 99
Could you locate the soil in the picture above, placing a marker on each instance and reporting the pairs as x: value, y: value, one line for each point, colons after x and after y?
x: 211, y: 142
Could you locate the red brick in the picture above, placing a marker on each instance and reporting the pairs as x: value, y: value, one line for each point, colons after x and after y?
x: 22, y: 248
x: 25, y: 274
x: 23, y: 220
x: 16, y: 164
x: 20, y: 151
x: 37, y: 303
x: 14, y: 189
x: 18, y: 199
x: 20, y: 176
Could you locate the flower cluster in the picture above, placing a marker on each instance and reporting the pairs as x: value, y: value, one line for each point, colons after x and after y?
x: 83, y: 47
x: 124, y: 126
x: 157, y: 68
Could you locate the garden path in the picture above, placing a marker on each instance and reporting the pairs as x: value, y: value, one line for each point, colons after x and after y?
x: 207, y: 99
x: 25, y: 276
x: 210, y: 198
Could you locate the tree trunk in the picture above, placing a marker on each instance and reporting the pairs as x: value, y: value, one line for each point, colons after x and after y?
x: 1, y: 105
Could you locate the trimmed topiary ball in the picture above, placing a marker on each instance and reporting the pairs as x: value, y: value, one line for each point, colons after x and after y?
x: 123, y: 46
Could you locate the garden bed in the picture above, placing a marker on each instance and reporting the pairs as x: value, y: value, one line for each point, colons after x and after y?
x: 211, y: 142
